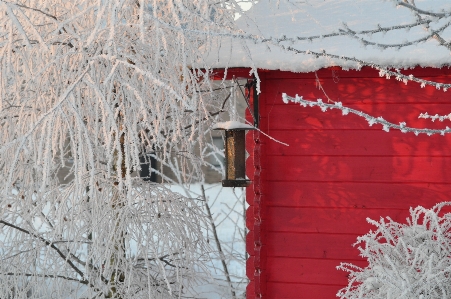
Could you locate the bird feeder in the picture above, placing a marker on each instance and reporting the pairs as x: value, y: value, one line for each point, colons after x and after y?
x: 235, y: 153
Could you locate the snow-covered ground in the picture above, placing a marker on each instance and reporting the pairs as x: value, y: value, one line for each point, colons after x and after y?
x: 227, y: 207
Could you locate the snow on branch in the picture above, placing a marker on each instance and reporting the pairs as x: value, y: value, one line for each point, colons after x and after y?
x: 386, y: 125
x: 435, y: 117
x: 421, y: 11
x: 347, y: 31
x: 382, y: 70
x: 288, y: 44
x: 432, y: 34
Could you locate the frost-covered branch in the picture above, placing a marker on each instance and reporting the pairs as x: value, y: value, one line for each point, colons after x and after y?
x: 421, y: 11
x: 435, y: 117
x: 383, y: 71
x: 433, y: 34
x: 386, y: 125
x: 286, y: 44
x: 47, y: 243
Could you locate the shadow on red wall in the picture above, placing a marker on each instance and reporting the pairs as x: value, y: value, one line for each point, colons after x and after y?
x: 338, y: 171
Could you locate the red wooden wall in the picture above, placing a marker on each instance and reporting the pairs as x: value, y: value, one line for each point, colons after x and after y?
x: 309, y: 201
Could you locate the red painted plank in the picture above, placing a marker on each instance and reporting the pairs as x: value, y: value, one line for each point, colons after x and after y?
x: 250, y: 242
x: 354, y: 90
x: 250, y: 217
x: 365, y: 72
x: 295, y: 117
x: 364, y: 169
x: 323, y: 220
x: 250, y: 272
x: 355, y: 142
x: 353, y: 86
x: 356, y: 195
x: 317, y: 271
x: 278, y: 290
x: 250, y: 290
x: 316, y: 246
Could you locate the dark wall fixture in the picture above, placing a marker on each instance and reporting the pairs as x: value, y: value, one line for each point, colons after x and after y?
x: 147, y: 164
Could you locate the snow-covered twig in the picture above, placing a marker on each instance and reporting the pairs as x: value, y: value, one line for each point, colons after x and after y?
x: 435, y: 117
x: 386, y: 125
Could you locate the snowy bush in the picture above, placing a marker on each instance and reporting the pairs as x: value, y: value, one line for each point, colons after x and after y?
x: 410, y: 260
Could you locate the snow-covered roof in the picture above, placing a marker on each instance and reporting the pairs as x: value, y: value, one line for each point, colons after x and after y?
x: 309, y: 18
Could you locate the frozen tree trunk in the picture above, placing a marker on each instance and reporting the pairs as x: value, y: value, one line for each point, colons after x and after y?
x: 117, y: 276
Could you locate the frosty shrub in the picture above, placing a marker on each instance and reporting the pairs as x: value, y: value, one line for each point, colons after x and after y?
x: 410, y: 260
x: 87, y: 249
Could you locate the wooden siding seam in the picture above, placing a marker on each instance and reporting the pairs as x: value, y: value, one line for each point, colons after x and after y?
x: 359, y: 181
x: 313, y: 258
x: 360, y: 103
x: 357, y: 156
x: 334, y: 208
x: 305, y: 283
x: 313, y: 233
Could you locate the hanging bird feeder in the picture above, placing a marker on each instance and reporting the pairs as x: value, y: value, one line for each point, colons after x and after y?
x: 235, y: 153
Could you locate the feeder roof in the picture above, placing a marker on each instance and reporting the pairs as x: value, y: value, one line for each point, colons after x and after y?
x: 232, y: 125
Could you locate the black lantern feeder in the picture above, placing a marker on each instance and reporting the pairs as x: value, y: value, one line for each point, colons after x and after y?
x: 235, y: 153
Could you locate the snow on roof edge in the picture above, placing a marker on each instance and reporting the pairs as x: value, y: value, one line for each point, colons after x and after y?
x: 266, y: 19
